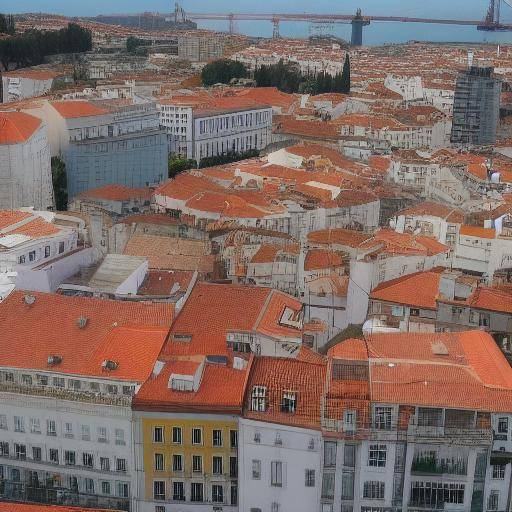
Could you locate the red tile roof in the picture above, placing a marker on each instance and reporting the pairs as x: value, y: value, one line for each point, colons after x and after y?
x: 318, y: 259
x: 129, y: 333
x: 404, y: 290
x: 428, y: 208
x: 477, y: 231
x: 115, y: 192
x: 17, y: 127
x: 463, y: 370
x: 237, y: 309
x: 221, y: 389
x: 280, y: 375
x: 79, y: 108
x: 338, y: 236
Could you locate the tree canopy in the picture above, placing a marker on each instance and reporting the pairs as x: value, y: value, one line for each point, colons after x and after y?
x: 132, y: 43
x: 288, y: 78
x: 7, y: 25
x: 31, y: 47
x: 60, y: 184
x: 222, y: 72
x: 178, y: 164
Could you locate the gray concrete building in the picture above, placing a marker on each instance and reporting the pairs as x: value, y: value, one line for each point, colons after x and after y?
x: 476, y: 106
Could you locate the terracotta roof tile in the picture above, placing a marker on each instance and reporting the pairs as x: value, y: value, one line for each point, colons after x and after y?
x: 131, y: 334
x: 17, y: 127
x: 78, y: 108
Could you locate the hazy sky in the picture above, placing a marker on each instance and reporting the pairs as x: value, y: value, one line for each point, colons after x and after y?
x: 428, y: 8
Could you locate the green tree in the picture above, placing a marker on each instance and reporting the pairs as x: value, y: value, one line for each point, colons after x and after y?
x: 222, y: 71
x: 60, y: 184
x: 227, y: 158
x: 345, y: 76
x: 178, y: 164
x: 132, y: 43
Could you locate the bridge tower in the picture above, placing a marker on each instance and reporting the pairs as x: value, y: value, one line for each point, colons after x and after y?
x: 358, y: 22
x: 231, y: 23
x: 275, y: 33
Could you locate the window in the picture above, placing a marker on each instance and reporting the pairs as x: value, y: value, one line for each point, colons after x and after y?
x: 276, y: 473
x: 377, y: 455
x: 21, y: 259
x: 373, y: 490
x: 217, y: 465
x: 105, y: 463
x: 197, y: 436
x: 436, y: 494
x: 349, y: 421
x: 122, y: 490
x: 503, y: 425
x: 86, y: 433
x: 428, y: 417
x: 217, y: 494
x: 36, y: 453
x: 382, y: 418
x: 330, y: 454
x: 233, y: 438
x: 217, y: 437
x: 258, y: 398
x: 289, y: 402
x: 74, y: 384
x: 105, y: 487
x: 347, y: 485
x: 3, y: 422
x: 493, y: 500
x: 53, y: 455
x: 120, y: 437
x: 58, y: 382
x: 234, y: 494
x: 88, y: 460
x: 32, y: 256
x: 274, y: 507
x: 176, y: 435
x: 68, y: 430
x: 159, y: 490
x: 349, y: 455
x: 177, y: 463
x: 178, y: 491
x: 19, y: 424
x: 256, y: 469
x: 197, y: 463
x: 51, y: 428
x: 69, y: 458
x: 47, y: 251
x: 121, y: 465
x: 4, y: 448
x: 26, y: 379
x: 328, y: 486
x: 89, y: 485
x: 159, y: 461
x: 20, y: 451
x: 309, y: 478
x: 196, y: 492
x: 498, y: 471
x: 61, y: 250
x: 102, y: 435
x: 158, y: 434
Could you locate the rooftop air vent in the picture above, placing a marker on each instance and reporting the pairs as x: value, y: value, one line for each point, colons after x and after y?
x: 109, y: 365
x: 81, y: 322
x: 439, y: 349
x: 54, y: 360
x: 29, y: 299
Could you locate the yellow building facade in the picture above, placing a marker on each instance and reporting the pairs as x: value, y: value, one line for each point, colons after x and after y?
x: 188, y: 459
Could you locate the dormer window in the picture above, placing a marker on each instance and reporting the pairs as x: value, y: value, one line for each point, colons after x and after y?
x: 182, y: 384
x: 289, y: 402
x: 258, y: 398
x: 182, y: 337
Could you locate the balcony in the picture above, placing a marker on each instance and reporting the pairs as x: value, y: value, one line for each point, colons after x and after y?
x: 65, y: 394
x: 436, y: 466
x: 34, y: 493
